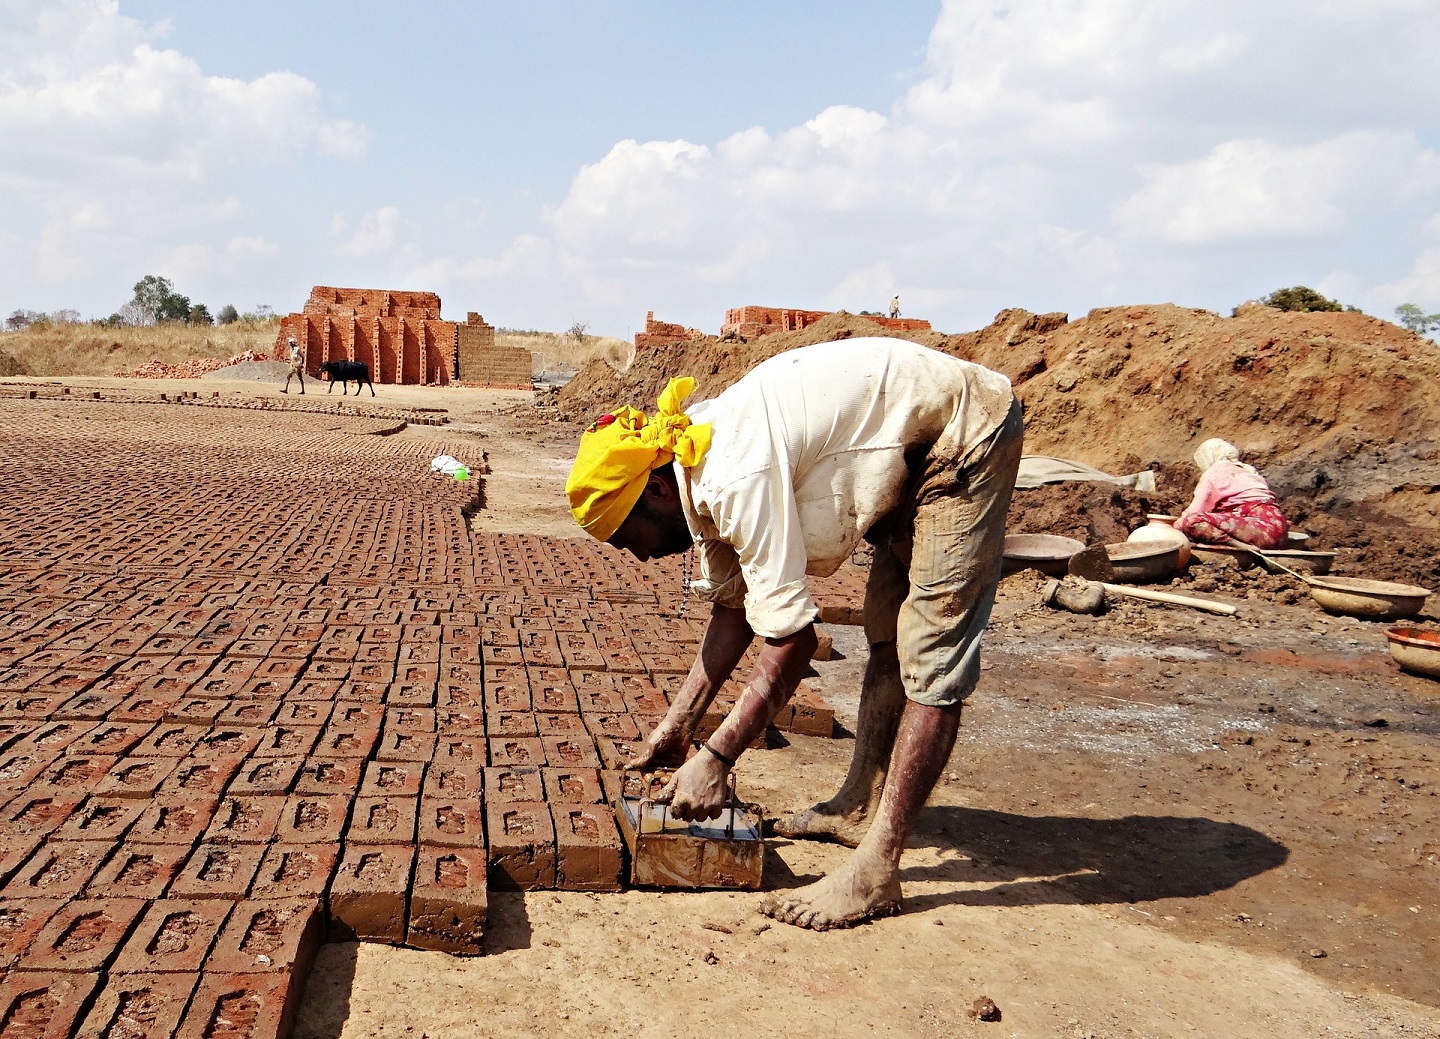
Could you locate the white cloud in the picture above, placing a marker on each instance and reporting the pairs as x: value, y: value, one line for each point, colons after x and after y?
x: 383, y: 232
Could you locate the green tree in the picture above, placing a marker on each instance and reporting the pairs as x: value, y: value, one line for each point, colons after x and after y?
x: 228, y: 315
x: 1415, y: 319
x: 199, y: 315
x: 1299, y: 298
x: 156, y: 300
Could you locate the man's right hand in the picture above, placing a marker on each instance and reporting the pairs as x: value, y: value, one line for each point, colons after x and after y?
x: 666, y: 747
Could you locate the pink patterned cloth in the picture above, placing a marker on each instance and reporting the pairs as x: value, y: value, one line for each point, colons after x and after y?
x: 1256, y: 523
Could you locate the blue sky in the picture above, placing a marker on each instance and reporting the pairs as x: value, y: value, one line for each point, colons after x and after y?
x: 550, y: 162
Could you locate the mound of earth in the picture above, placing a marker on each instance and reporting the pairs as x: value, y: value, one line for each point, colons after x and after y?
x: 1340, y: 410
x: 10, y: 365
x: 252, y: 371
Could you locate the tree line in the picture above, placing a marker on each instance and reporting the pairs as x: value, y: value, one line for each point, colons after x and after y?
x: 155, y: 302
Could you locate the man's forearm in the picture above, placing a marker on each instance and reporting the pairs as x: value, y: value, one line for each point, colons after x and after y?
x: 727, y: 637
x: 781, y: 666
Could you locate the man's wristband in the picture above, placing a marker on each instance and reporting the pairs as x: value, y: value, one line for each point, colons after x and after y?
x: 730, y: 762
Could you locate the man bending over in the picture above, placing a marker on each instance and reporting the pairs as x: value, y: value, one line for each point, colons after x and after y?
x: 778, y: 477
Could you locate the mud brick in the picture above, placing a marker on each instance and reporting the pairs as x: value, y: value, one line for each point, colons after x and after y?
x: 461, y: 721
x: 134, y: 776
x: 274, y: 935
x: 465, y: 697
x: 37, y: 813
x: 600, y: 701
x: 44, y: 1005
x: 249, y: 1006
x: 83, y: 936
x: 382, y: 820
x: 200, y: 778
x: 367, y: 668
x: 287, y: 741
x: 174, y: 820
x: 308, y: 818
x: 38, y: 703
x: 417, y: 673
x: 295, y: 870
x: 580, y: 650
x: 511, y: 723
x: 171, y: 688
x: 138, y: 871
x: 349, y: 741
x: 218, y: 687
x: 572, y: 785
x: 368, y: 894
x: 588, y: 855
x: 208, y: 645
x: 616, y: 726
x: 329, y: 669
x: 406, y: 746
x: 249, y: 713
x: 213, y: 870
x: 464, y: 652
x: 454, y: 748
x: 315, y: 689
x: 15, y: 850
x: 507, y: 695
x: 392, y: 779
x: 363, y: 691
x: 382, y: 634
x: 92, y: 705
x: 666, y: 663
x: 246, y: 819
x: 620, y: 656
x: 615, y: 754
x: 503, y: 656
x: 138, y: 1006
x: 170, y: 740
x: 448, y: 901
x: 456, y: 821
x: 416, y: 654
x: 50, y: 658
x: 573, y: 751
x: 453, y: 780
x: 233, y: 666
x: 266, y: 776
x: 226, y: 742
x: 58, y: 735
x: 281, y: 669
x: 513, y: 783
x: 410, y: 719
x: 550, y: 690
x: 559, y: 723
x: 813, y: 716
x: 112, y: 738
x: 21, y: 919
x: 101, y: 819
x: 415, y: 633
x: 642, y: 700
x: 141, y: 707
x: 173, y: 937
x: 17, y: 680
x: 329, y: 776
x: 619, y: 783
x: 522, y: 845
x: 517, y: 750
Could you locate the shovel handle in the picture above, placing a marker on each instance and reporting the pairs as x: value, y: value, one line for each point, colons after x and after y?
x: 1208, y: 605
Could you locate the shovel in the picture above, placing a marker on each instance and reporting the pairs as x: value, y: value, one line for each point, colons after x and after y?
x: 1268, y: 561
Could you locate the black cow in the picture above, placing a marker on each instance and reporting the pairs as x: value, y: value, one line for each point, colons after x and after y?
x: 343, y: 372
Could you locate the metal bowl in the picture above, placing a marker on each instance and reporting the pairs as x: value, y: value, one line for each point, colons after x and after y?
x: 1137, y: 561
x: 1372, y: 600
x: 1048, y: 553
x: 1416, y: 650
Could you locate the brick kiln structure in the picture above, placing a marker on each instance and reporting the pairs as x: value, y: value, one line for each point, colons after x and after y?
x: 663, y: 333
x: 753, y: 322
x: 402, y: 337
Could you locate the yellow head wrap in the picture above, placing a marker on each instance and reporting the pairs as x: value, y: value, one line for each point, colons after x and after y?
x: 618, y: 452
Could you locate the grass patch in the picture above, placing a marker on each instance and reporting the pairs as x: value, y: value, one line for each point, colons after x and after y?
x: 53, y: 349
x: 562, y: 352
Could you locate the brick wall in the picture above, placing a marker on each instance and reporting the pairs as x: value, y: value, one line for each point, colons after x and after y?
x: 482, y: 363
x: 661, y: 333
x: 753, y: 322
x: 400, y: 335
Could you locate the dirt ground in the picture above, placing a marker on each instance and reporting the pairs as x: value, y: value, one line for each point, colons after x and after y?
x: 1155, y: 823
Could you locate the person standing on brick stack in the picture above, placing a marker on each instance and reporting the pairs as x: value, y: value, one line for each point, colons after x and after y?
x: 297, y: 367
x: 780, y: 476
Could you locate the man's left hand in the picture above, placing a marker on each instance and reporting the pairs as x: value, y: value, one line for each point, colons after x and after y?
x: 698, y: 789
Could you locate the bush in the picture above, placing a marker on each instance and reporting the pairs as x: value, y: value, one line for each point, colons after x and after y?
x: 1416, y: 320
x: 1300, y: 298
x: 228, y: 315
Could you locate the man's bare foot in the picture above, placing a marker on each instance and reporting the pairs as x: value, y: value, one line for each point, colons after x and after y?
x: 833, y: 820
x: 859, y: 890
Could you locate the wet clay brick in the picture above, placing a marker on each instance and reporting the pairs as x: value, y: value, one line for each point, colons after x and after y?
x: 43, y: 1005
x: 330, y: 776
x: 173, y: 936
x: 406, y: 746
x: 295, y: 870
x: 447, y: 900
x: 451, y: 748
x: 614, y: 754
x: 382, y: 820
x: 266, y: 776
x: 557, y: 723
x: 304, y: 712
x: 136, y: 777
x: 80, y: 773
x: 522, y: 845
x: 84, y: 936
x: 37, y: 813
x: 511, y: 723
x: 587, y: 848
x: 242, y: 1006
x: 287, y: 741
x: 101, y: 819
x: 308, y: 818
x: 514, y: 783
x: 58, y: 735
x: 174, y: 820
x: 618, y: 783
x: 21, y: 919
x: 113, y: 738
x: 570, y: 751
x: 270, y: 935
x: 58, y: 869
x: 348, y: 741
x: 392, y: 779
x: 616, y: 726
x: 451, y: 821
x: 222, y: 871
x: 572, y: 785
x: 368, y: 894
x: 170, y: 740
x: 246, y: 819
x: 246, y: 713
x: 201, y: 778
x: 138, y: 871
x: 518, y: 750
x: 226, y: 741
x: 138, y: 1006
x: 550, y: 690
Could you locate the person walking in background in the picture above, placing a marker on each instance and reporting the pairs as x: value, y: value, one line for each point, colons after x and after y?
x: 895, y: 305
x: 297, y: 367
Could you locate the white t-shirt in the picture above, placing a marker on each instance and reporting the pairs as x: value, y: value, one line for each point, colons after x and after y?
x: 808, y: 451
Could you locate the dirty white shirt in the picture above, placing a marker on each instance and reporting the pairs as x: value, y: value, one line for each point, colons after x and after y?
x: 808, y: 451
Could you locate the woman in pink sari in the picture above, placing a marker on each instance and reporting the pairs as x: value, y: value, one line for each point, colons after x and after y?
x: 1232, y: 500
